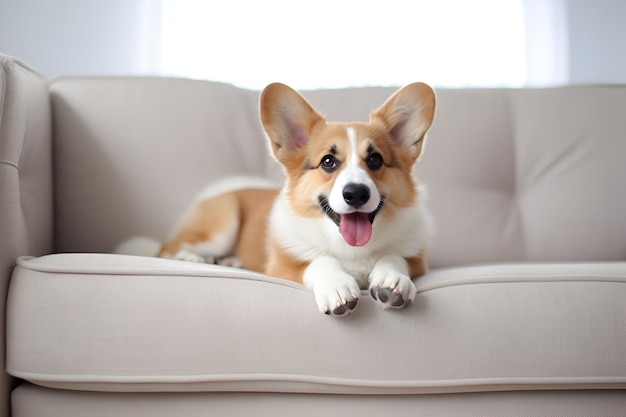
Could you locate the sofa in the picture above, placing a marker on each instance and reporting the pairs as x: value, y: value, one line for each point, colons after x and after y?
x: 523, y: 310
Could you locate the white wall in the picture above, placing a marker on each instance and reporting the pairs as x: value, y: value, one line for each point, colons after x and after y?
x: 60, y: 37
x: 122, y: 37
x: 597, y: 41
x: 547, y: 42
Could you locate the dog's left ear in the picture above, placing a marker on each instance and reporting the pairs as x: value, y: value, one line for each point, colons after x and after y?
x: 288, y: 120
x: 407, y: 115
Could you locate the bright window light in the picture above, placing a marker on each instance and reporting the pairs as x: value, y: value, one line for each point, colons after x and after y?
x: 345, y: 43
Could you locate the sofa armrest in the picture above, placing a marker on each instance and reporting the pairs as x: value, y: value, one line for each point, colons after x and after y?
x: 26, y: 215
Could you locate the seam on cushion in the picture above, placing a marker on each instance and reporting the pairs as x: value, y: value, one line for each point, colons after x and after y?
x: 207, y: 271
x: 451, y: 383
x: 513, y: 103
x: 521, y: 279
x: 201, y: 269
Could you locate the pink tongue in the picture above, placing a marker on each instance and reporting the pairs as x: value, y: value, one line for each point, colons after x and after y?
x: 355, y: 228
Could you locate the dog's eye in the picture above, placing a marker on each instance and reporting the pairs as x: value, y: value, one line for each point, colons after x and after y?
x: 374, y: 161
x: 329, y: 163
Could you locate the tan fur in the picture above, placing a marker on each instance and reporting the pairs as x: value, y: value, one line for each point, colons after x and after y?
x: 210, y: 218
x: 255, y: 205
x: 417, y: 266
x: 395, y: 180
x: 281, y: 265
x: 206, y: 220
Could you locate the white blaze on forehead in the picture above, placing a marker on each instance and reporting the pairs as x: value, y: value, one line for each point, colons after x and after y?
x: 353, y: 156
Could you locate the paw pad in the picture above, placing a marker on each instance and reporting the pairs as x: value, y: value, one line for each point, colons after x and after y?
x: 388, y: 297
x: 344, y: 308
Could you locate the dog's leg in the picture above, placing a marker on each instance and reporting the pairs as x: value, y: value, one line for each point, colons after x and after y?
x: 390, y: 282
x: 207, y: 233
x: 336, y: 292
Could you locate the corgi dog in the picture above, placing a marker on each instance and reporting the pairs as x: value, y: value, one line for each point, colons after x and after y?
x: 350, y: 215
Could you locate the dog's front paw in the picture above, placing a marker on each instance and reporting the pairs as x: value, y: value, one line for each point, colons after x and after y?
x: 392, y: 289
x: 232, y: 261
x: 337, y: 297
x: 184, y: 255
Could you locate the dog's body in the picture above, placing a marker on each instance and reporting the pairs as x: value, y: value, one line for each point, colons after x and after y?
x: 350, y: 215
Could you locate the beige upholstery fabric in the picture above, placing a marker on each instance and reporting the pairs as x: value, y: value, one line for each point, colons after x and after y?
x: 527, y: 175
x: 25, y: 177
x: 120, y: 323
x: 179, y: 135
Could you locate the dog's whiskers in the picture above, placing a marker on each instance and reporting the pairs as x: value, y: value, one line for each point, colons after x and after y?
x: 325, y: 205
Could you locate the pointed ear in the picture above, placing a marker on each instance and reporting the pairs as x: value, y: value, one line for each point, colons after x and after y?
x: 288, y: 120
x: 407, y: 115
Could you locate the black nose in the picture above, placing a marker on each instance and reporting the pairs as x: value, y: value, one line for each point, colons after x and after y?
x: 356, y: 194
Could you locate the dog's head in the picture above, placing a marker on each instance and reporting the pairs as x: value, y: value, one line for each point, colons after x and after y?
x: 352, y: 173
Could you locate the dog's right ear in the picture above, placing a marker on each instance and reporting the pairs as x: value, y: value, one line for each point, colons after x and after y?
x: 288, y: 120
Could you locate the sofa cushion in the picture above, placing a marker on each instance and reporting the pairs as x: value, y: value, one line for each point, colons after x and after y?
x: 123, y: 323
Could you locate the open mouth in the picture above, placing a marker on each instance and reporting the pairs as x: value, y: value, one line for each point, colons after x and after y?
x: 356, y: 227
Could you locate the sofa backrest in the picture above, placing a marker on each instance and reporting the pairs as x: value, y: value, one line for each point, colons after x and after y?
x: 130, y: 153
x: 513, y: 174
